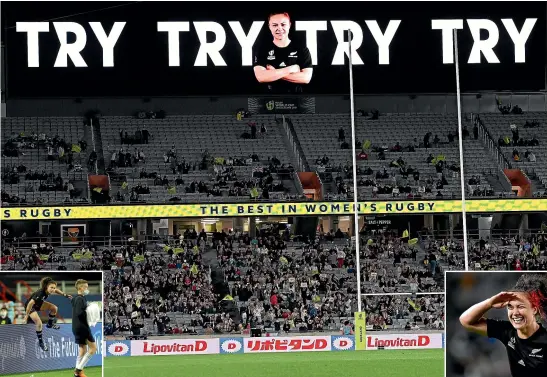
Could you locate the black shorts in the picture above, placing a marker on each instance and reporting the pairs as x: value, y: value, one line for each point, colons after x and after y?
x: 83, y: 335
x: 33, y: 310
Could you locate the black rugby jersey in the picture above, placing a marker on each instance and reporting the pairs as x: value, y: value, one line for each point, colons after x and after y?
x: 39, y: 297
x: 281, y: 57
x: 526, y: 356
x: 79, y: 314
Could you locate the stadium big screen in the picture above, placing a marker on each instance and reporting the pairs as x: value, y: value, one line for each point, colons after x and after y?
x: 147, y: 49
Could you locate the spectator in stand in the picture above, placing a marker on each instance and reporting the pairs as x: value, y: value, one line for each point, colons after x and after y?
x: 341, y: 134
x: 4, y: 319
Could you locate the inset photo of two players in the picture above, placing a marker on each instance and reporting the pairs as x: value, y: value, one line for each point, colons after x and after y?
x: 51, y: 323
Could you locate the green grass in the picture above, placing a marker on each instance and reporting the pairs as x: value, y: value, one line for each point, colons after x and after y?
x: 89, y: 372
x: 387, y: 363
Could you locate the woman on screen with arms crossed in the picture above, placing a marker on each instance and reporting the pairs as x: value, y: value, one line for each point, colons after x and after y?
x: 282, y: 65
x: 522, y: 335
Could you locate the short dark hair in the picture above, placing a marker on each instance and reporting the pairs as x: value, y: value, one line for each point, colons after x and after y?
x: 535, y: 286
x: 276, y: 13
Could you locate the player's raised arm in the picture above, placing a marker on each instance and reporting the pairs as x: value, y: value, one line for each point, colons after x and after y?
x: 59, y: 292
x: 473, y: 318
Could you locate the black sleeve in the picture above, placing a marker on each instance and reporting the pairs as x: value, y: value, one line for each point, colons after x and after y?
x: 259, y: 58
x: 79, y: 310
x: 304, y: 59
x: 35, y: 296
x: 498, y: 329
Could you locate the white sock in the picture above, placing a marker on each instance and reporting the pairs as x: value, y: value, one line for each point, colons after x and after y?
x: 78, y: 360
x: 85, y: 359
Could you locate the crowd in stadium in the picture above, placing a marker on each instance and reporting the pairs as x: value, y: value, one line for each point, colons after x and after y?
x: 278, y: 283
x: 386, y: 168
x: 275, y: 284
x: 40, y: 176
x: 510, y: 253
x: 397, y: 178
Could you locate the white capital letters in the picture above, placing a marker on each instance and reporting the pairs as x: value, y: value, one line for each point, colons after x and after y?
x: 107, y: 41
x: 447, y: 37
x: 485, y: 46
x: 32, y: 29
x: 311, y: 28
x: 341, y: 29
x: 383, y: 40
x: 71, y: 50
x: 173, y: 29
x: 519, y: 39
x: 246, y: 41
x: 212, y: 49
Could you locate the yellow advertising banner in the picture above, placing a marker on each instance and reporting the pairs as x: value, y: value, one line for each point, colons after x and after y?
x: 269, y: 209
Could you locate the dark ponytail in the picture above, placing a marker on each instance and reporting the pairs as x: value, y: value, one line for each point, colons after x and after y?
x: 45, y: 282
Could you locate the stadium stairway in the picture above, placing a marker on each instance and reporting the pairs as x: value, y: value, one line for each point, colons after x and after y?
x: 101, y: 167
x: 291, y: 184
x: 210, y: 258
x: 495, y: 183
x: 537, y: 185
x: 479, y: 162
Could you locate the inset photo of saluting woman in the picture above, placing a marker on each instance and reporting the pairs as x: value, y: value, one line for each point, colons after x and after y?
x: 496, y: 324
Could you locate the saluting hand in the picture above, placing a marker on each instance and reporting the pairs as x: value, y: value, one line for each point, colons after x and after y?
x: 501, y: 300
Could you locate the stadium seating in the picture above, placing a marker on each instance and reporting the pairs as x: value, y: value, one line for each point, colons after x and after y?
x: 499, y: 126
x: 29, y: 136
x: 318, y: 135
x: 198, y: 139
x: 271, y: 268
x: 299, y: 263
x: 336, y: 294
x: 256, y: 273
x: 191, y: 137
x: 510, y: 253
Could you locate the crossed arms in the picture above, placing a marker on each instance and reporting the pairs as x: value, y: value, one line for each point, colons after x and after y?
x: 292, y: 73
